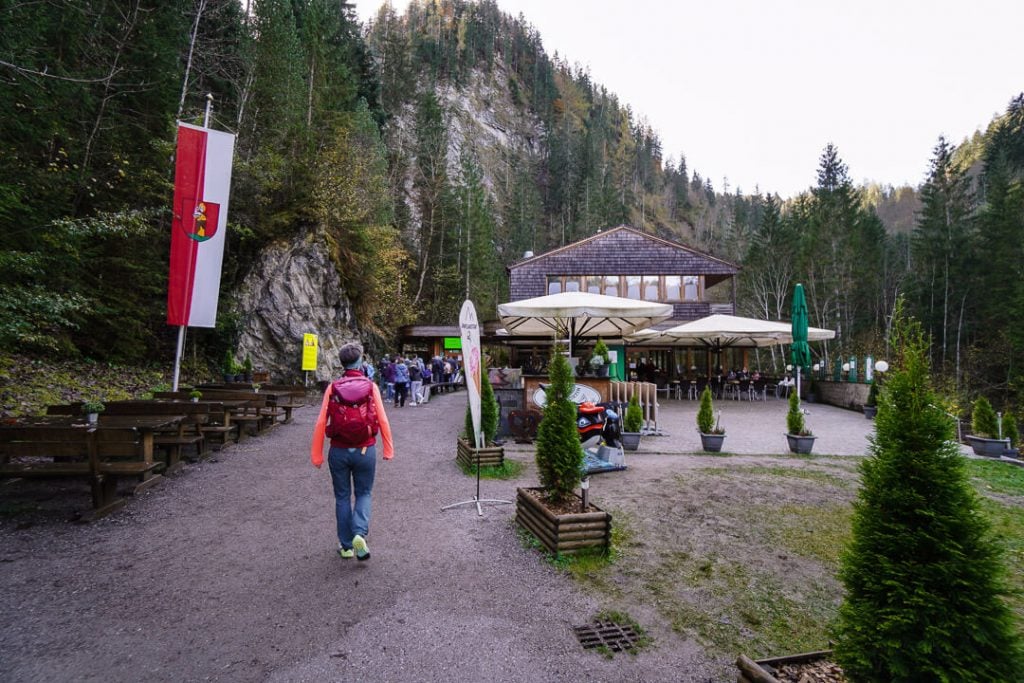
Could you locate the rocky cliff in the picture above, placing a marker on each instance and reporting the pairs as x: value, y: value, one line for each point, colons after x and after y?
x: 292, y: 289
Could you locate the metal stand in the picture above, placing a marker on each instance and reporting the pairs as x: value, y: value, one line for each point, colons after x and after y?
x: 477, y: 500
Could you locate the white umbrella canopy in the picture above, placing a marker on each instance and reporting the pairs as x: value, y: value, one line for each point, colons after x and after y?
x: 580, y: 314
x: 721, y: 331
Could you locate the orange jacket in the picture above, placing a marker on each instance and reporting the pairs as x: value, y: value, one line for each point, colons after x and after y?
x: 317, y: 449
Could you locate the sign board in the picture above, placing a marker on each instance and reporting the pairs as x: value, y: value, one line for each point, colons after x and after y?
x: 471, y: 350
x: 453, y: 343
x: 309, y: 351
x: 581, y: 393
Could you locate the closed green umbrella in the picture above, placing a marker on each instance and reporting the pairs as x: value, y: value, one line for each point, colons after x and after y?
x: 799, y: 350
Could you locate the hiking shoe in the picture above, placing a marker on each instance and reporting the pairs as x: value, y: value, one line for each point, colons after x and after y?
x: 359, y: 545
x: 346, y: 553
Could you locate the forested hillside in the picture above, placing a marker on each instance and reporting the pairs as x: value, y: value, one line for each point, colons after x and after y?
x: 416, y: 158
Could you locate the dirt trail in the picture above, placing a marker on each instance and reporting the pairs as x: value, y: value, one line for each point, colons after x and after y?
x: 228, y: 572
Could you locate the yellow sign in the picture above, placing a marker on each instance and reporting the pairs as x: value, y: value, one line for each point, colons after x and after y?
x: 309, y: 347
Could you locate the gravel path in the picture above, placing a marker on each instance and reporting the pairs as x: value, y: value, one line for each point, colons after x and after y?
x: 227, y: 571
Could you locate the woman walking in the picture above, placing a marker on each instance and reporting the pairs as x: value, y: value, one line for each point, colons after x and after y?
x: 352, y: 415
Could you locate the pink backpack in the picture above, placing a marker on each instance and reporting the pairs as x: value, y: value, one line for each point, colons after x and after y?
x: 351, y: 414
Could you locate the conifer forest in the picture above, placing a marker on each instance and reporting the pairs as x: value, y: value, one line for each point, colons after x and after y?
x: 354, y: 134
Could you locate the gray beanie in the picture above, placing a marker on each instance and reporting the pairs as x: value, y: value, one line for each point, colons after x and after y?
x: 350, y: 355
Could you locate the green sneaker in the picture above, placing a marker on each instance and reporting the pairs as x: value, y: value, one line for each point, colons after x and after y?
x: 346, y: 553
x: 359, y: 544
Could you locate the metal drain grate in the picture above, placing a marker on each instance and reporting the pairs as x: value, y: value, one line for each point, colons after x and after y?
x: 607, y: 633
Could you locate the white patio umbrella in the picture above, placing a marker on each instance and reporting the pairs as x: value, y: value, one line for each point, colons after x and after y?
x: 580, y: 314
x: 721, y: 331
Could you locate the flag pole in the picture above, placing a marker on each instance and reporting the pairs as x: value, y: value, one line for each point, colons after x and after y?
x: 180, y: 347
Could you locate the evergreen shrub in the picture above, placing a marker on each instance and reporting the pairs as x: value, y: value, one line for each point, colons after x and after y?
x: 795, y: 417
x: 559, y: 452
x: 489, y: 412
x: 1010, y: 430
x: 924, y: 578
x: 601, y: 350
x: 706, y: 414
x: 983, y: 419
x: 634, y: 418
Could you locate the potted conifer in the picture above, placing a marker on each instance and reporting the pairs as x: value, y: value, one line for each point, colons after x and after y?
x: 985, y: 427
x: 1011, y: 432
x: 871, y: 405
x: 230, y: 367
x: 800, y: 438
x: 711, y: 434
x: 554, y: 513
x: 247, y: 370
x: 632, y: 423
x: 925, y: 578
x: 491, y: 454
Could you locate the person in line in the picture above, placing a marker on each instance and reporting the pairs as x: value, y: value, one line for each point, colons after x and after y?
x: 401, y: 382
x: 353, y: 427
x: 428, y: 377
x: 415, y: 381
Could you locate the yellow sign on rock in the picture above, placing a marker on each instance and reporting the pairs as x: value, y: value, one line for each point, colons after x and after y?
x: 309, y: 348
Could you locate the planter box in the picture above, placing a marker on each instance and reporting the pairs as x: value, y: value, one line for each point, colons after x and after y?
x: 712, y: 442
x: 992, y: 448
x: 491, y: 456
x: 563, y: 534
x: 762, y: 671
x: 631, y: 440
x: 870, y: 411
x: 801, y: 445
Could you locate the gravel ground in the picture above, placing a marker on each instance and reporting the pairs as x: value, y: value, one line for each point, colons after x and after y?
x: 227, y: 571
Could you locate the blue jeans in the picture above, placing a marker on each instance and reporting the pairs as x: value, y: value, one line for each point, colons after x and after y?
x: 352, y: 468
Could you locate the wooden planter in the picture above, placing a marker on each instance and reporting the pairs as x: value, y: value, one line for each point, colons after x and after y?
x: 712, y: 442
x: 491, y: 456
x: 761, y: 670
x: 800, y: 445
x: 563, y: 534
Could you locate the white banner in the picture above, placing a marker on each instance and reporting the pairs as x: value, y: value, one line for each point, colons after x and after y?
x: 471, y: 364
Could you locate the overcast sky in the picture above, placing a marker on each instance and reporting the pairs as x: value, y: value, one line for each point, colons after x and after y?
x: 752, y: 90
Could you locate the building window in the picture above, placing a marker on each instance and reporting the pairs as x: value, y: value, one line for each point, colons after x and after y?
x: 633, y: 283
x: 594, y: 283
x: 554, y: 285
x: 691, y: 288
x: 673, y: 288
x: 610, y: 285
x: 564, y: 283
x: 572, y: 284
x: 650, y: 288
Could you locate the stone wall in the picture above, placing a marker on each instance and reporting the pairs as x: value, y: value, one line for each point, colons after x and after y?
x: 841, y: 394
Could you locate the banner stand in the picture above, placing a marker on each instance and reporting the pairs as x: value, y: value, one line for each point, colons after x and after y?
x: 180, y: 350
x: 471, y: 364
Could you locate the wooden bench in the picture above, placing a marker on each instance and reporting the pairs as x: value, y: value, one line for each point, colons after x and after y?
x: 100, y: 456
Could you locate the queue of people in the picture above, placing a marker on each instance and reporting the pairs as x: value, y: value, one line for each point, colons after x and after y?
x: 411, y: 379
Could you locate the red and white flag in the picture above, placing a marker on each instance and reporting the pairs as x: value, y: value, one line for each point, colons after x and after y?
x: 202, y: 182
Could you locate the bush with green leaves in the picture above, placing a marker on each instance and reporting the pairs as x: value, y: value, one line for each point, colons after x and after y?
x: 634, y: 418
x: 247, y: 365
x: 489, y: 413
x: 1010, y: 430
x: 872, y: 394
x: 924, y: 576
x: 601, y: 351
x: 795, y: 417
x: 559, y: 452
x: 983, y: 419
x: 706, y: 414
x: 89, y: 407
x: 230, y: 365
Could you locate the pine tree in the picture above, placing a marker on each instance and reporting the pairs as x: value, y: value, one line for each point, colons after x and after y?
x: 559, y: 452
x: 924, y: 577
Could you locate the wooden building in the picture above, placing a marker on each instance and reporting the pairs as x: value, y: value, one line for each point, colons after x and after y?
x: 626, y: 262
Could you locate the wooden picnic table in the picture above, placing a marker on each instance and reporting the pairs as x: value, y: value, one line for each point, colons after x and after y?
x: 56, y: 446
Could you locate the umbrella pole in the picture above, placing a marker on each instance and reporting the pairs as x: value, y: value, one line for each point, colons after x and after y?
x: 798, y: 385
